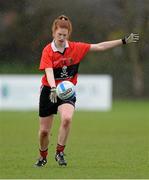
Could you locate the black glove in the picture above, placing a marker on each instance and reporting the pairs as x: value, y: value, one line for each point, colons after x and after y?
x: 132, y: 38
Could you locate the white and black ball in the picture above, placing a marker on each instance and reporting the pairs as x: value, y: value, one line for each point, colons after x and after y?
x: 65, y: 90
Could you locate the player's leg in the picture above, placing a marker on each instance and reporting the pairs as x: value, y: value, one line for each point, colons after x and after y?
x: 44, y: 132
x: 46, y: 111
x: 66, y: 113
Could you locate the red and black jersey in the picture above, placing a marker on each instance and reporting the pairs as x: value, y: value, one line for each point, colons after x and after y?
x: 65, y: 65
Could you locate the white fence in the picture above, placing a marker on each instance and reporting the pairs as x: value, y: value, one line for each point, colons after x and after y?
x: 21, y: 92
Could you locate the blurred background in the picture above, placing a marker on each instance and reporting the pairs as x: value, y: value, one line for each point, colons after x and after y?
x: 25, y: 28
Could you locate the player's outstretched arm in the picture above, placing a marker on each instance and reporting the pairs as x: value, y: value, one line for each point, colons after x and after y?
x: 132, y: 38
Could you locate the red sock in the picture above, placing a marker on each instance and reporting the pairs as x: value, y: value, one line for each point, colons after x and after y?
x: 43, y: 153
x: 59, y: 148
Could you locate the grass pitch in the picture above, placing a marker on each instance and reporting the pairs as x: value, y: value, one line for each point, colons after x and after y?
x: 107, y: 145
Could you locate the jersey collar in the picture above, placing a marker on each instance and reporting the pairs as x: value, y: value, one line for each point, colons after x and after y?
x: 54, y: 48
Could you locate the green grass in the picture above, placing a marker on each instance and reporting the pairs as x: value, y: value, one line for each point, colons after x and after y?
x: 107, y: 145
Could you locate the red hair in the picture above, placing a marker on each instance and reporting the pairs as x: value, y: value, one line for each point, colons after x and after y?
x: 62, y: 22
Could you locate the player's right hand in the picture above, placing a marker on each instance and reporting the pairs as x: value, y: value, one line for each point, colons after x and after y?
x: 53, y: 95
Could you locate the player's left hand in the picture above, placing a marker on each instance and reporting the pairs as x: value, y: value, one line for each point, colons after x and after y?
x: 53, y: 95
x: 132, y: 38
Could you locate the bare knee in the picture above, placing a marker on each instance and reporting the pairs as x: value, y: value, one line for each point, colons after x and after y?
x: 43, y: 133
x: 66, y: 120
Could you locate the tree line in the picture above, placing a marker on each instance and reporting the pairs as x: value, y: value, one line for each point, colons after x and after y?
x: 25, y: 28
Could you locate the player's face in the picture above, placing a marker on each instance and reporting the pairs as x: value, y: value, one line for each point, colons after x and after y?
x: 60, y: 36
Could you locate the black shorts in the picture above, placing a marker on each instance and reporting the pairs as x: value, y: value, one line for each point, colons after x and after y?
x: 46, y: 107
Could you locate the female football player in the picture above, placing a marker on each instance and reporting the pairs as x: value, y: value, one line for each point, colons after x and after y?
x: 60, y: 61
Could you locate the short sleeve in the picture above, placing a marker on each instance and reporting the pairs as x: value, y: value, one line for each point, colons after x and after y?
x: 46, y: 61
x: 82, y: 49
